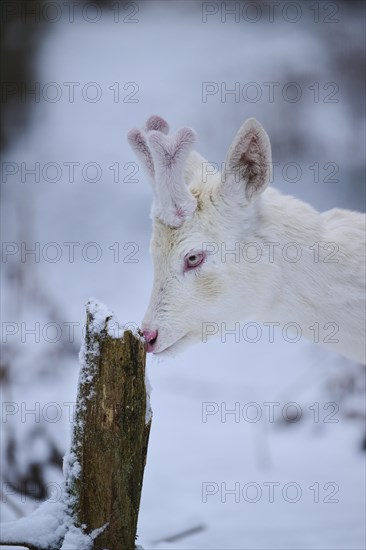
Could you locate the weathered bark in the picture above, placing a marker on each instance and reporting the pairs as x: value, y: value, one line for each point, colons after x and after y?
x: 110, y: 435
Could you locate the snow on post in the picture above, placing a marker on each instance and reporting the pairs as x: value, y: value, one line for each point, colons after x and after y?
x: 104, y: 468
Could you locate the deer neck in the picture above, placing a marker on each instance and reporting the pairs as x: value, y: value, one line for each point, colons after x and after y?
x: 296, y: 279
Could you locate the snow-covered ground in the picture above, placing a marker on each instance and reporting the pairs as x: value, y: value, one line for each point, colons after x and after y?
x: 193, y: 456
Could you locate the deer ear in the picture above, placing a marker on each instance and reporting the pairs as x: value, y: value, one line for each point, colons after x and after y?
x: 248, y: 161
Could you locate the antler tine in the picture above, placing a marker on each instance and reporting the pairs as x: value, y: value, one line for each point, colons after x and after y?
x: 138, y: 142
x: 157, y: 123
x: 170, y: 155
x: 165, y: 159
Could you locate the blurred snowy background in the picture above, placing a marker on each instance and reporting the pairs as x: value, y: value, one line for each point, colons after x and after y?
x: 72, y: 193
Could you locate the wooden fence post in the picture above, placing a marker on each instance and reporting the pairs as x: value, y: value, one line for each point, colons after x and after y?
x: 104, y: 468
x: 111, y: 432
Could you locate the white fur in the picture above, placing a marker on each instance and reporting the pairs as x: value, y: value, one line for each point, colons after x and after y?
x: 237, y: 208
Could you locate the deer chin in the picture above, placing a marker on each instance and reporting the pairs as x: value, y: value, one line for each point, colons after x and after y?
x: 173, y: 349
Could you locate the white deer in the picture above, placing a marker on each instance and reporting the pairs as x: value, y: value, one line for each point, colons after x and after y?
x: 227, y: 248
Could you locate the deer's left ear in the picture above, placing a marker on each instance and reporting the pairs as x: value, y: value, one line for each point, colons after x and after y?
x: 248, y: 162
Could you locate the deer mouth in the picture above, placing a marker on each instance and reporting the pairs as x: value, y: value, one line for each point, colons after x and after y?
x: 173, y: 348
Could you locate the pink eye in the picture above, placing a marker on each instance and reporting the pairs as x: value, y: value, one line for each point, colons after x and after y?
x: 194, y: 260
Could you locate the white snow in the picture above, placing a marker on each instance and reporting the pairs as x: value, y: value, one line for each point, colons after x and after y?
x: 71, y: 466
x: 99, y: 313
x: 149, y: 413
x: 75, y: 539
x: 44, y: 527
x: 51, y: 523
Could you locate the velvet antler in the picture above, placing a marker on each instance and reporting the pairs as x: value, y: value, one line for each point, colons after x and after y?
x: 164, y: 158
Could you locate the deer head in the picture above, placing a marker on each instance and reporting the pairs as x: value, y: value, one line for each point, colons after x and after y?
x: 195, y: 212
